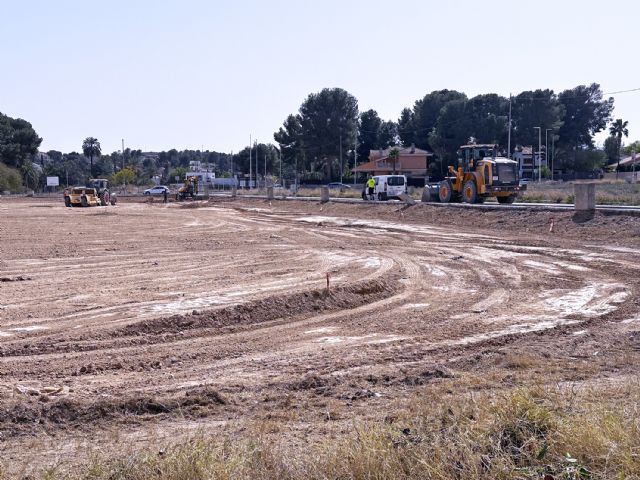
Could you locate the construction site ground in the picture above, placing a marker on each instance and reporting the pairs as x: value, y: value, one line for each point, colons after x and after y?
x: 144, y: 323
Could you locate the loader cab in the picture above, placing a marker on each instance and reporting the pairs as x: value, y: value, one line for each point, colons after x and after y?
x: 470, y: 156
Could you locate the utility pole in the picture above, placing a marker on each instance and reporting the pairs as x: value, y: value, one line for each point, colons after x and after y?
x: 546, y: 147
x: 280, y: 162
x: 341, y: 158
x: 123, y: 153
x: 553, y: 153
x: 250, y: 147
x: 509, y: 136
x: 265, y: 169
x: 539, y: 153
x: 355, y: 159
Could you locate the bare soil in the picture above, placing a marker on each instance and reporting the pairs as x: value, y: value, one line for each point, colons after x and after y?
x: 147, y: 321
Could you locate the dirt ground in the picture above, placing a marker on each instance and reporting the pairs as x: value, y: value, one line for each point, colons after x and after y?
x: 143, y: 322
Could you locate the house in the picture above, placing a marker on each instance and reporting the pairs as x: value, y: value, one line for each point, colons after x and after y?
x: 528, y: 161
x: 411, y: 162
x: 629, y: 162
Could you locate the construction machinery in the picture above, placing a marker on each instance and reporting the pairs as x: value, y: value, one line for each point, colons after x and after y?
x: 105, y: 194
x: 81, y: 197
x: 189, y: 189
x: 481, y: 173
x: 97, y: 193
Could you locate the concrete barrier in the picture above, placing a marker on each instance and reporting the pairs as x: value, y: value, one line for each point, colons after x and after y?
x: 234, y: 191
x: 270, y: 193
x: 585, y: 193
x: 324, y: 194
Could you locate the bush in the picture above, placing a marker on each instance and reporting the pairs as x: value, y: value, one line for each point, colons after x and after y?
x: 10, y: 179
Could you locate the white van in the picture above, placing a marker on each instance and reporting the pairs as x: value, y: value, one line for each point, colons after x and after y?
x: 389, y: 186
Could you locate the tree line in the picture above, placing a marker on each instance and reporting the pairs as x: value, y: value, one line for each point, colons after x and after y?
x: 443, y: 120
x: 328, y: 135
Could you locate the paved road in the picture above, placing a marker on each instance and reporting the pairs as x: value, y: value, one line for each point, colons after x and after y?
x: 634, y: 209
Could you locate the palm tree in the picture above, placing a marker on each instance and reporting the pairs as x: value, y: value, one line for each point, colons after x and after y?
x: 91, y: 148
x: 618, y: 129
x: 394, y: 154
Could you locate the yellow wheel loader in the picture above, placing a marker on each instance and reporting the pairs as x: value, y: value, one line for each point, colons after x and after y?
x: 481, y: 174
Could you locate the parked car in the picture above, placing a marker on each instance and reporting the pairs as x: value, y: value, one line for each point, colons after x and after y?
x: 157, y: 190
x: 341, y: 186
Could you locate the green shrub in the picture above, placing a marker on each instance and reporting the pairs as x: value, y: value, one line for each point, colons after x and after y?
x: 10, y: 179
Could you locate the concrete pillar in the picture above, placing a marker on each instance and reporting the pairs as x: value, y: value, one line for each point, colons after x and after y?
x: 270, y: 193
x: 585, y: 194
x: 324, y: 194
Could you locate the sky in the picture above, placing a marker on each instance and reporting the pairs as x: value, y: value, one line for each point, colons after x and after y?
x: 208, y: 74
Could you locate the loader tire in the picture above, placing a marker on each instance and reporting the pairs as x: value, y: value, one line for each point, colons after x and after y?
x: 445, y: 191
x: 67, y: 202
x: 83, y: 201
x: 470, y: 192
x: 113, y: 199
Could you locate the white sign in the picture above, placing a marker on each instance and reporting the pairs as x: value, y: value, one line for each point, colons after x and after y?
x: 52, y: 182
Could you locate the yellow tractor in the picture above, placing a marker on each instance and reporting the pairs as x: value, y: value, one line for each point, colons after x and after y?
x: 81, y: 197
x: 481, y: 174
x: 189, y: 189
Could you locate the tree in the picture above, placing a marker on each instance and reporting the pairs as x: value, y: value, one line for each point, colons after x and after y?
x: 289, y: 137
x: 452, y: 129
x: 488, y: 118
x: 325, y: 118
x: 427, y: 111
x: 394, y: 155
x: 125, y: 176
x: 537, y: 108
x: 611, y: 148
x: 368, y: 133
x: 633, y: 147
x: 388, y: 134
x: 406, y: 127
x: 484, y: 117
x: 18, y: 141
x: 617, y: 130
x: 91, y: 148
x: 586, y: 113
x: 374, y: 134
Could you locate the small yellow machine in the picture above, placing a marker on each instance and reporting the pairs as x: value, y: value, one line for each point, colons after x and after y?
x: 481, y: 174
x: 81, y: 197
x: 190, y: 188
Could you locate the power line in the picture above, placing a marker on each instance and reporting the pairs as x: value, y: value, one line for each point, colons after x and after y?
x: 622, y: 91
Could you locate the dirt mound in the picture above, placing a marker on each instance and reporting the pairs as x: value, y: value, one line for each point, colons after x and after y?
x: 15, y: 279
x: 25, y: 414
x: 265, y: 310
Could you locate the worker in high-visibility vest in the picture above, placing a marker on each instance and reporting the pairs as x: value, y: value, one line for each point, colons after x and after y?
x: 371, y: 186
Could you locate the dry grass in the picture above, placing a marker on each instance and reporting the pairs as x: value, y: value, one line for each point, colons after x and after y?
x: 559, y: 432
x: 607, y: 193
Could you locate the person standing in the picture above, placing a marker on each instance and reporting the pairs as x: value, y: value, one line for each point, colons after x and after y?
x: 166, y: 195
x: 371, y: 186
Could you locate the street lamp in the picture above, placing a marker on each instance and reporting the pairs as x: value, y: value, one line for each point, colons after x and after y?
x: 539, y: 148
x: 546, y: 148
